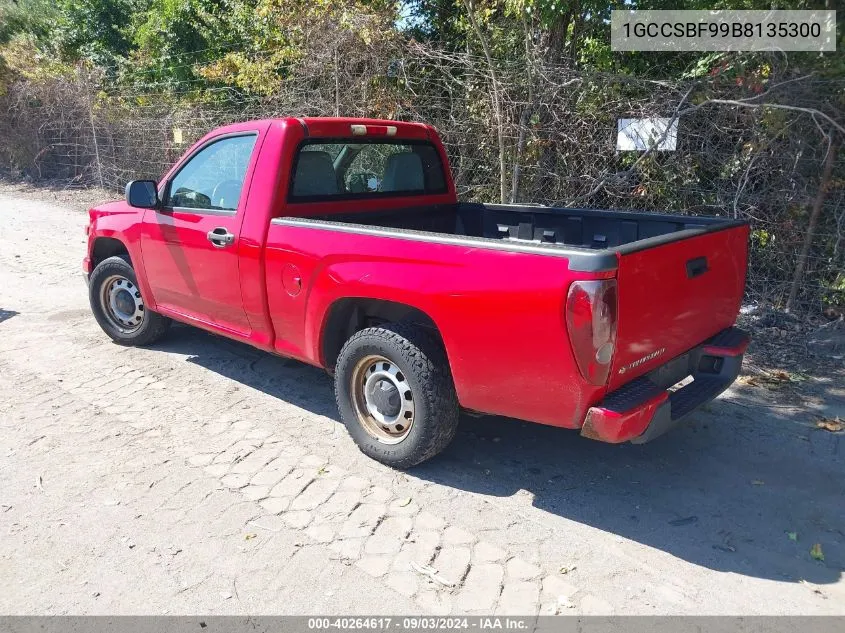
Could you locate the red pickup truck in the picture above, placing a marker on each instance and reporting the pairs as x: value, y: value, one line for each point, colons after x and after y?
x: 341, y: 243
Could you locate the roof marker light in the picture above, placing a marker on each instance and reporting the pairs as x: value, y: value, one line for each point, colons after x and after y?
x: 358, y: 130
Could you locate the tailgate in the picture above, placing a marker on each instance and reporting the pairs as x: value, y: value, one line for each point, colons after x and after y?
x: 673, y: 296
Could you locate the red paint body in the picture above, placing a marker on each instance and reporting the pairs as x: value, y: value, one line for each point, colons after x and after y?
x: 500, y: 314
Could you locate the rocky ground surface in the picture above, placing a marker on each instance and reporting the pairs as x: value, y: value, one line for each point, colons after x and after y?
x: 202, y: 476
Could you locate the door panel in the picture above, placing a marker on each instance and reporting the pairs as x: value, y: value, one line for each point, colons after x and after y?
x: 189, y: 274
x: 190, y: 244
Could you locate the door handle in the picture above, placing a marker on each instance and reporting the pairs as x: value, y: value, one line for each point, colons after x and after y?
x: 220, y: 237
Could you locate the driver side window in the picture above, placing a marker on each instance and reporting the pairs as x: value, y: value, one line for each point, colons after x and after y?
x: 213, y: 178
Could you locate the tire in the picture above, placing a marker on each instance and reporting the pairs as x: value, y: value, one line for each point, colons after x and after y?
x: 145, y: 328
x: 419, y: 366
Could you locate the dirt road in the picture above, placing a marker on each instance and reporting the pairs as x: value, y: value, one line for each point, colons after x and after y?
x: 201, y: 476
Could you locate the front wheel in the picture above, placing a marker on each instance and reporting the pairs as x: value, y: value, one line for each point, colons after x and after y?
x: 118, y: 306
x: 395, y: 394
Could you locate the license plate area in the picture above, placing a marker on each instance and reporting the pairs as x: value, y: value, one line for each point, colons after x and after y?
x: 683, y: 382
x: 671, y: 373
x: 681, y: 370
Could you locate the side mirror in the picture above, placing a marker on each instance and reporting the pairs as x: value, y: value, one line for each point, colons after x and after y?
x: 142, y: 194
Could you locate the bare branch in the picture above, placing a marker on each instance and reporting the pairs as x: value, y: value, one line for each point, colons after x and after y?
x: 641, y: 158
x: 775, y: 106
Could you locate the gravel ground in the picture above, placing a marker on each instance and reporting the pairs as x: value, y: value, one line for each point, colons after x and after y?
x: 202, y: 476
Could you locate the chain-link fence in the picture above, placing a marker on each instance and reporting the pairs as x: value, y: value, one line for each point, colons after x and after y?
x: 514, y: 131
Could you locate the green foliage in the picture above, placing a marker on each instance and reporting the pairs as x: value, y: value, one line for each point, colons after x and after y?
x: 240, y: 42
x: 94, y: 30
x: 24, y: 24
x: 170, y: 27
x: 27, y: 17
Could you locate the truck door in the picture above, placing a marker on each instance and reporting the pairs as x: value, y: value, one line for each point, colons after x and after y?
x: 190, y: 243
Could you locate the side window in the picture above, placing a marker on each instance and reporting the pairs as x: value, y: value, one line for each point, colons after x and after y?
x: 214, y: 177
x: 346, y: 169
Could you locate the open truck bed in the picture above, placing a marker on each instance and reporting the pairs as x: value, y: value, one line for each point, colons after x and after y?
x: 593, y: 239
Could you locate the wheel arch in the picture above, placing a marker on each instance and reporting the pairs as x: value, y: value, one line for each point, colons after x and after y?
x: 105, y: 247
x: 348, y: 315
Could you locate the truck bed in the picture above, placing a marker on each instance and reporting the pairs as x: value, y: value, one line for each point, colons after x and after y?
x: 590, y: 238
x: 680, y: 278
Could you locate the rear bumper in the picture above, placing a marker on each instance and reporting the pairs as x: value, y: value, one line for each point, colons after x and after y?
x: 644, y: 408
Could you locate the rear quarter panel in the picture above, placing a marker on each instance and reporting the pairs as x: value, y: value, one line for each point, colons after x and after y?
x: 500, y: 314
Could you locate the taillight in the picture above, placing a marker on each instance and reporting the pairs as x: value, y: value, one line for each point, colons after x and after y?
x: 591, y: 323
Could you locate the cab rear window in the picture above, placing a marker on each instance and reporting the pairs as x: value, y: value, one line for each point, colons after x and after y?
x: 345, y: 169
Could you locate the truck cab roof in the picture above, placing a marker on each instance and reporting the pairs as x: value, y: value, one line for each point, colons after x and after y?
x: 338, y: 127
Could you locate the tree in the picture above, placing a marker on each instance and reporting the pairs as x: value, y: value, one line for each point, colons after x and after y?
x: 95, y: 30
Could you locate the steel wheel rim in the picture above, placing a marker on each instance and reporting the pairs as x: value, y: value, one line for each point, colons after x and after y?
x: 122, y: 304
x: 383, y: 399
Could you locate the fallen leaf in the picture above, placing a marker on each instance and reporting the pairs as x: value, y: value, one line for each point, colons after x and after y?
x: 814, y: 589
x: 816, y: 552
x: 772, y: 379
x: 406, y: 501
x: 322, y: 470
x: 834, y: 425
x: 566, y: 570
x: 792, y: 536
x: 250, y: 536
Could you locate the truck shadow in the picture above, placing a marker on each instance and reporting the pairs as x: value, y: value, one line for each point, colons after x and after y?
x: 724, y: 491
x: 5, y: 315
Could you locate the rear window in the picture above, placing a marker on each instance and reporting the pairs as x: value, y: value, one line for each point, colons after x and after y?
x: 346, y: 169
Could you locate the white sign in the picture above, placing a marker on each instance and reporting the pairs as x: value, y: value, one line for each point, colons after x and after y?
x: 637, y: 135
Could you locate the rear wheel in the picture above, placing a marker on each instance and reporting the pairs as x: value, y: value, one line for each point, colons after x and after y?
x: 395, y: 394
x: 118, y: 306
